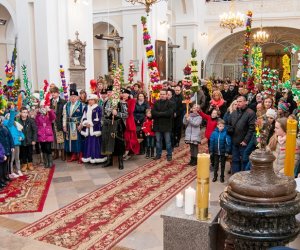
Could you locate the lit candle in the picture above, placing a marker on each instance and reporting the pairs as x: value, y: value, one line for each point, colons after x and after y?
x: 179, y: 200
x: 189, y: 201
x: 202, y: 200
x: 289, y: 162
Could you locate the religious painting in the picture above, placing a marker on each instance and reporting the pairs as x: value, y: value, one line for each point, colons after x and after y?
x: 161, y: 54
x: 111, y: 58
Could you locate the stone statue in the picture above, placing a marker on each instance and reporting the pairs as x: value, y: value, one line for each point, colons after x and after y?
x: 76, y: 57
x: 77, y: 61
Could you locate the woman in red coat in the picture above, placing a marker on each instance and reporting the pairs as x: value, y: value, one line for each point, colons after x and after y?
x: 131, y: 141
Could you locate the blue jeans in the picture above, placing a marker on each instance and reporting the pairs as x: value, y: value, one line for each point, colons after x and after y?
x: 167, y: 137
x: 149, y: 141
x: 238, y: 159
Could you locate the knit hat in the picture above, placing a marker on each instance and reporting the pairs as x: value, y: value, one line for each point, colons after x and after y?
x: 271, y: 113
x: 284, y: 106
x: 92, y: 97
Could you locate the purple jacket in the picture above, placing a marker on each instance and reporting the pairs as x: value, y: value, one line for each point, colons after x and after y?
x: 44, y: 126
x: 2, y: 153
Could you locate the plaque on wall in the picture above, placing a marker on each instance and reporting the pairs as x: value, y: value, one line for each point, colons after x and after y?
x: 77, y: 61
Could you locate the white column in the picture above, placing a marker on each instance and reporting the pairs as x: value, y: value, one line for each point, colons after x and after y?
x: 100, y: 58
x: 80, y: 18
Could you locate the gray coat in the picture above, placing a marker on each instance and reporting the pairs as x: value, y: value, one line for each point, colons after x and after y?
x: 192, y: 131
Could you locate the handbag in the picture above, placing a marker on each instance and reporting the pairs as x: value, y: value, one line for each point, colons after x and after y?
x: 230, y: 128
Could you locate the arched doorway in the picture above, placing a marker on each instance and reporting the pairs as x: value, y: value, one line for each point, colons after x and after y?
x: 106, y: 50
x: 225, y: 58
x: 7, y: 37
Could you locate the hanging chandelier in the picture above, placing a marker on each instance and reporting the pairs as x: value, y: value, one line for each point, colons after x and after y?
x: 231, y: 20
x: 147, y: 3
x: 261, y: 36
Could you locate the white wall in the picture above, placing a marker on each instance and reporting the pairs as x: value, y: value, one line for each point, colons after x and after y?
x: 80, y: 18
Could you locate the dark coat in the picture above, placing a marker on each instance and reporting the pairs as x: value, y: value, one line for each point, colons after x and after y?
x: 220, y: 142
x: 2, y: 153
x: 29, y: 131
x: 59, y: 113
x: 6, y: 140
x: 162, y: 114
x: 140, y: 112
x: 227, y: 96
x: 243, y: 122
x: 179, y: 105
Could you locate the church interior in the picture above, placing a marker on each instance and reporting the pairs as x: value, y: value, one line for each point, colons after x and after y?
x: 141, y: 207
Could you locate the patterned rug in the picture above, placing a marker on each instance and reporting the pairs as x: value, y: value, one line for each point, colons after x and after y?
x: 26, y: 194
x: 102, y: 218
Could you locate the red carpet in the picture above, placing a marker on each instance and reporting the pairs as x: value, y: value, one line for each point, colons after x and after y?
x: 102, y: 218
x: 26, y: 194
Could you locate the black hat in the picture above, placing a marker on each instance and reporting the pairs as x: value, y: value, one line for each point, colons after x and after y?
x: 123, y: 91
x: 73, y: 92
x: 103, y: 91
x: 109, y: 88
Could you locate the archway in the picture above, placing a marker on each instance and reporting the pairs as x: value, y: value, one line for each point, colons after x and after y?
x: 225, y: 58
x: 7, y: 37
x: 105, y: 51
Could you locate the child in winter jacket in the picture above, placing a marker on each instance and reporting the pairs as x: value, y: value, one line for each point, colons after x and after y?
x: 192, y: 132
x: 15, y: 130
x: 44, y: 119
x: 8, y: 144
x: 30, y: 133
x: 212, y: 121
x: 220, y: 143
x: 3, y: 158
x: 149, y: 134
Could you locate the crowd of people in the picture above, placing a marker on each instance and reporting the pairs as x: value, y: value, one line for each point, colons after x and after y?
x: 93, y: 128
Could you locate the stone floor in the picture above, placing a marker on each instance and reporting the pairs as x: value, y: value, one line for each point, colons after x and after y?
x: 72, y: 181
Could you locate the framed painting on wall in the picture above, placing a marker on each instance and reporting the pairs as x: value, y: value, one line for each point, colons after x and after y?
x: 161, y: 55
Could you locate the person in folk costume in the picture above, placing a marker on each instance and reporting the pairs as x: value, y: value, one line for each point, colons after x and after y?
x: 57, y: 104
x: 103, y: 97
x: 91, y: 130
x: 131, y: 141
x: 73, y: 111
x: 114, y: 119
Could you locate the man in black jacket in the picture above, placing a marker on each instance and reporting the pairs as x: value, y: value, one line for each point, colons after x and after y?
x: 243, y: 123
x: 178, y: 115
x: 162, y: 114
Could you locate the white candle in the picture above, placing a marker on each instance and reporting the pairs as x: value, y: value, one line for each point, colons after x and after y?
x: 190, y: 194
x: 179, y: 200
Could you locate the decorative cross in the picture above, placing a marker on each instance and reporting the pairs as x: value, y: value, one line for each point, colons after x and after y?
x: 77, y: 34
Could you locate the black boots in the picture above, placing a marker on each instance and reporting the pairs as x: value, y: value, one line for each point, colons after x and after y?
x: 193, y: 161
x: 120, y: 159
x: 147, y: 152
x: 109, y: 162
x: 152, y: 152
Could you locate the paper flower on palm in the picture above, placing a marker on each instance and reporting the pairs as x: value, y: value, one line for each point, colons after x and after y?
x: 187, y: 70
x: 9, y: 75
x: 115, y: 98
x: 131, y: 72
x: 257, y: 63
x: 63, y: 82
x: 247, y: 48
x: 286, y: 68
x: 93, y: 85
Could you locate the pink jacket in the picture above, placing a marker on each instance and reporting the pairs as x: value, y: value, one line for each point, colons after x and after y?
x: 44, y: 126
